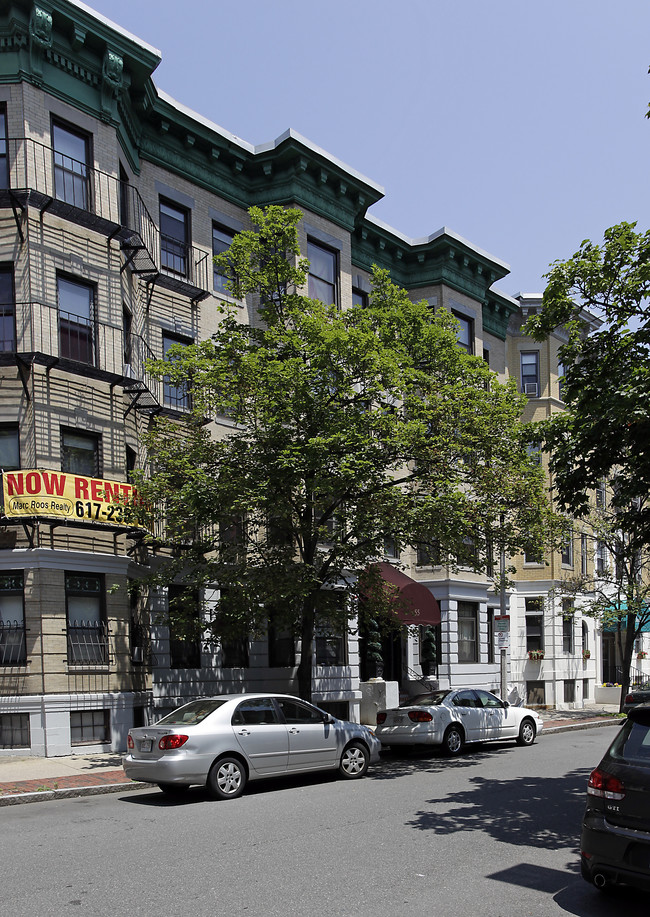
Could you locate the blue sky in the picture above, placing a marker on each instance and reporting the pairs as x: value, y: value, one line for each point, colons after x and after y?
x: 519, y: 124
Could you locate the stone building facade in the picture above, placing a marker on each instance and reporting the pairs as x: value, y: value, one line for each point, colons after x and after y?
x: 113, y: 200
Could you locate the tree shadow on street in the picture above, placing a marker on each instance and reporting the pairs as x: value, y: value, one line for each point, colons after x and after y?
x: 541, y: 812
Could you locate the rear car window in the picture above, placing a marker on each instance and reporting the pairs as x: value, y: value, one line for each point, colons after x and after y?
x: 425, y: 700
x: 192, y: 713
x: 632, y: 744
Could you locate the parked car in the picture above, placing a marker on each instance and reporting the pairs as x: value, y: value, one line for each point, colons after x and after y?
x: 615, y: 842
x: 452, y: 718
x: 223, y: 742
x: 638, y: 695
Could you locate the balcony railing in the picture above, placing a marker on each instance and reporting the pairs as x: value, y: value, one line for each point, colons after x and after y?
x: 79, y: 344
x: 38, y: 175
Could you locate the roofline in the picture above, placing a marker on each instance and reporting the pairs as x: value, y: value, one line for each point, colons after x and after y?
x: 443, y: 231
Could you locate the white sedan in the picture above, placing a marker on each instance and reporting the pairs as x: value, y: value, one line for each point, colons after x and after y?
x: 452, y: 718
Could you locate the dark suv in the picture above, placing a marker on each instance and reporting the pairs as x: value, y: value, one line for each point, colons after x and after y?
x: 615, y: 843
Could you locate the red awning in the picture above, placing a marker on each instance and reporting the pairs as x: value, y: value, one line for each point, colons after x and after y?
x: 417, y: 605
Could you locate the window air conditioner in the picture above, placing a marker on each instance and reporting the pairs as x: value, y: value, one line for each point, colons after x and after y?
x: 530, y: 388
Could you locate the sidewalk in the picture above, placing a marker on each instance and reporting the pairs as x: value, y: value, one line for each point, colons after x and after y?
x: 31, y: 779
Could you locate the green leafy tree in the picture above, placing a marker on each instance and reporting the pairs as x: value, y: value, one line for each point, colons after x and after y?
x: 347, y: 430
x: 599, y: 298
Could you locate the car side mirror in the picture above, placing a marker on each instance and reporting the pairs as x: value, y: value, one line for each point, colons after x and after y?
x: 505, y: 703
x: 328, y: 719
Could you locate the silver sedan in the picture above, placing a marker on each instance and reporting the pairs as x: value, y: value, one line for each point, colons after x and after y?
x: 451, y: 718
x: 223, y: 742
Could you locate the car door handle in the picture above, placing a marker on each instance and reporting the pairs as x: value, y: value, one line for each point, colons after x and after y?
x: 244, y: 732
x: 463, y: 712
x: 294, y: 731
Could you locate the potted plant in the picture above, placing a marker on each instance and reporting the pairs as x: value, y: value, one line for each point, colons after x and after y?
x: 586, y: 654
x: 536, y: 655
x: 642, y: 655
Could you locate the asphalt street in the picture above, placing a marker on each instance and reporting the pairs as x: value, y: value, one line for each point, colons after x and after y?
x: 494, y: 832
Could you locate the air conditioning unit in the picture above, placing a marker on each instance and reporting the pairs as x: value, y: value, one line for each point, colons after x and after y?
x: 127, y: 371
x: 530, y: 388
x: 137, y: 655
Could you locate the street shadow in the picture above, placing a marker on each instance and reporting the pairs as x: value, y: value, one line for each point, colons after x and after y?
x: 92, y: 762
x: 400, y: 762
x: 543, y: 812
x: 571, y: 893
x: 198, y: 794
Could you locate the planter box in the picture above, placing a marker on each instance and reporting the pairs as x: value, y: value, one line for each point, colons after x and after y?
x: 607, y: 695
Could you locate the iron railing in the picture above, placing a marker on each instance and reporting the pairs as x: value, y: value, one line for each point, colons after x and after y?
x: 88, y: 643
x: 12, y: 643
x: 32, y: 172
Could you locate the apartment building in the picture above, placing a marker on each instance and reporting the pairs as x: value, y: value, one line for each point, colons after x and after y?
x: 113, y: 200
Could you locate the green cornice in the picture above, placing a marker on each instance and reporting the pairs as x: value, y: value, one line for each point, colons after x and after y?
x: 106, y: 72
x: 497, y: 309
x: 444, y: 258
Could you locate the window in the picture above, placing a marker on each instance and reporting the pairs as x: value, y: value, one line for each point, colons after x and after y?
x: 601, y: 495
x: 585, y: 638
x: 90, y: 727
x: 530, y: 373
x: 221, y: 242
x: 7, y: 311
x: 232, y: 539
x: 534, y: 625
x: 4, y: 160
x: 174, y: 238
x: 12, y: 619
x: 467, y: 632
x: 567, y: 634
x: 601, y: 558
x: 323, y: 272
x: 465, y: 332
x: 234, y: 652
x: 428, y: 555
x: 282, y: 646
x: 567, y: 550
x: 184, y: 628
x: 86, y: 617
x: 294, y: 712
x: 330, y: 648
x: 536, y: 693
x: 359, y: 298
x: 535, y: 453
x: 390, y: 547
x: 176, y: 397
x: 9, y: 447
x: 80, y: 453
x: 257, y: 711
x: 14, y: 730
x: 76, y: 302
x: 560, y: 380
x: 125, y: 195
x: 584, y: 554
x: 490, y: 628
x: 71, y: 170
x: 569, y: 691
x: 131, y: 463
x: 127, y: 330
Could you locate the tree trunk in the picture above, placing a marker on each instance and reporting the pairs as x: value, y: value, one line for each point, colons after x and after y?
x: 630, y: 634
x: 306, y: 651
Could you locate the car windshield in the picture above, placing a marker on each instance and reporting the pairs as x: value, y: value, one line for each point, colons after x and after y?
x: 632, y: 744
x: 425, y: 700
x: 192, y: 713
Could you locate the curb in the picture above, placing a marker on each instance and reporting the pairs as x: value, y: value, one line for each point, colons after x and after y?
x: 14, y: 799
x: 547, y: 730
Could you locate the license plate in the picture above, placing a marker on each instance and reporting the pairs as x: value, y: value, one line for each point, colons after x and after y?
x: 145, y: 745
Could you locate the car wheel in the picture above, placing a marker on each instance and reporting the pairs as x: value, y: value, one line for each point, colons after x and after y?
x: 173, y: 789
x: 354, y: 761
x: 227, y: 778
x: 453, y: 741
x: 527, y: 733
